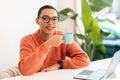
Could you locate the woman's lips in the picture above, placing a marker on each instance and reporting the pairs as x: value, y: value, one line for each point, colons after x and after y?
x: 50, y: 28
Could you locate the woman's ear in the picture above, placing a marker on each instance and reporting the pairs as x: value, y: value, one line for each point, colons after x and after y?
x: 37, y: 21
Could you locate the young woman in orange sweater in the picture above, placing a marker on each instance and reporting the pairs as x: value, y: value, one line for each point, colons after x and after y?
x: 44, y: 50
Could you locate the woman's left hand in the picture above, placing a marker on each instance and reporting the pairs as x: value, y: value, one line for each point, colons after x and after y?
x: 51, y: 68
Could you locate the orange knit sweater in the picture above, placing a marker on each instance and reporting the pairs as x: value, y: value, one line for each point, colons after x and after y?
x: 35, y: 56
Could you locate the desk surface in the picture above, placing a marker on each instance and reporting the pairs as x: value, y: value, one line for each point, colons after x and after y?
x: 67, y: 74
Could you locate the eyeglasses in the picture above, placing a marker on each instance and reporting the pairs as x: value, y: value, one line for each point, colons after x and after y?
x: 46, y: 19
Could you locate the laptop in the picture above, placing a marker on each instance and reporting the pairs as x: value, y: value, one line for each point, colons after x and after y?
x: 100, y: 74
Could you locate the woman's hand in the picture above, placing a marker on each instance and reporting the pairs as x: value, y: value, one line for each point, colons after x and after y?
x: 51, y: 68
x: 54, y: 41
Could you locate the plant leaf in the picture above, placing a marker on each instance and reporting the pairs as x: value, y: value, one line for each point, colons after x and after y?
x: 67, y: 13
x: 106, y: 19
x: 80, y: 36
x: 99, y: 5
x: 95, y: 33
x: 86, y: 15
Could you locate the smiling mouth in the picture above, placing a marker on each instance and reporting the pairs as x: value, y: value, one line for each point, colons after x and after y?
x: 50, y: 28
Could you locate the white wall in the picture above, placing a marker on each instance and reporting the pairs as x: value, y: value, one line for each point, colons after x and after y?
x: 67, y: 25
x: 17, y: 18
x: 115, y: 8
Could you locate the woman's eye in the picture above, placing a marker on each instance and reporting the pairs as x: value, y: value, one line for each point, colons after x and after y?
x: 45, y: 18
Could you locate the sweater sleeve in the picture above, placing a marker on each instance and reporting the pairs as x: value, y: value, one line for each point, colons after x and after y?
x: 77, y: 57
x: 31, y: 57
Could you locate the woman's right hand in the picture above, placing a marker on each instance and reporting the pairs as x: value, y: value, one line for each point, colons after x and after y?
x: 54, y: 41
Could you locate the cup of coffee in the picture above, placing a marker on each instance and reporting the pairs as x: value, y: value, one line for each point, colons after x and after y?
x: 68, y: 38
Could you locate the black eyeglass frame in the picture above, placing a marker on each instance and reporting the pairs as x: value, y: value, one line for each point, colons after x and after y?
x: 49, y: 18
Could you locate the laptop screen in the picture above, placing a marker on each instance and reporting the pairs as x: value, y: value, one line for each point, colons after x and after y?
x: 113, y: 64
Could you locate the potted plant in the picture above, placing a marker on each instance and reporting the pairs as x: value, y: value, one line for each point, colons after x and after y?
x: 92, y: 39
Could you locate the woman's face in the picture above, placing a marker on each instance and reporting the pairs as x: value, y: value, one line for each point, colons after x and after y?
x: 47, y: 21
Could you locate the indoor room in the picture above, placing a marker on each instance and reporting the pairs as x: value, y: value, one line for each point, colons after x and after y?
x: 93, y: 24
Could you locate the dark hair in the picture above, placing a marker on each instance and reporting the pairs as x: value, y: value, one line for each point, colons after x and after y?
x: 45, y: 7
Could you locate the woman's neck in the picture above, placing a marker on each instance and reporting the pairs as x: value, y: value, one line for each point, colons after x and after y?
x: 44, y: 36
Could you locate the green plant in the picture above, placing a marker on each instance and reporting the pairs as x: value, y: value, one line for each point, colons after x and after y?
x: 92, y: 39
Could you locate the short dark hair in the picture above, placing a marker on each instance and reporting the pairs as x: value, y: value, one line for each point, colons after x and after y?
x: 45, y: 7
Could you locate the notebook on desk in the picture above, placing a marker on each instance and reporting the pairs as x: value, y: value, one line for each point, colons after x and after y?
x: 100, y: 74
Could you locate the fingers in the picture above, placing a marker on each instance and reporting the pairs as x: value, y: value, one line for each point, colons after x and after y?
x: 58, y: 32
x: 51, y: 68
x: 54, y: 41
x: 46, y: 69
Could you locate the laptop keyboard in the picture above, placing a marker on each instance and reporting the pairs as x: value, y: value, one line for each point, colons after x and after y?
x: 97, y: 75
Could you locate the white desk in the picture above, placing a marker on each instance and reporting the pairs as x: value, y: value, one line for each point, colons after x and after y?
x: 67, y: 74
